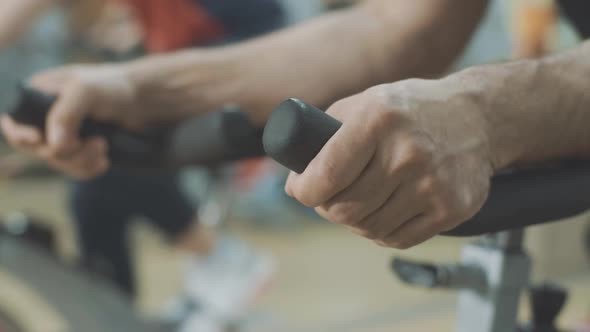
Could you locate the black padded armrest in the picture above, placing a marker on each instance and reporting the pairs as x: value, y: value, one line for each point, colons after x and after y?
x: 533, y: 196
x: 296, y: 132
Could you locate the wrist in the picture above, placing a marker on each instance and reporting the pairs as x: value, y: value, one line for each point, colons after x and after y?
x: 497, y: 94
x: 533, y: 110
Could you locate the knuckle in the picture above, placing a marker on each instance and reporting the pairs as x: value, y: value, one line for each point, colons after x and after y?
x: 377, y: 100
x: 344, y: 213
x: 380, y: 118
x: 427, y: 186
x: 417, y: 154
x: 413, y: 158
x: 386, y: 118
x: 442, y: 216
x: 326, y: 175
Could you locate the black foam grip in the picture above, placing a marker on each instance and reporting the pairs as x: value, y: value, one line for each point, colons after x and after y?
x: 296, y: 132
x: 215, y: 138
x: 529, y: 197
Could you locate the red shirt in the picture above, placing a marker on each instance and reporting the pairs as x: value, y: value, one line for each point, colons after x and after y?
x: 174, y: 24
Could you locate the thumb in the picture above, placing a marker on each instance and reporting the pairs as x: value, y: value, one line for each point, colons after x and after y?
x: 65, y: 118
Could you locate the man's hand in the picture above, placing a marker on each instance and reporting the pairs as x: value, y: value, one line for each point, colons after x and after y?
x: 103, y: 93
x: 411, y: 161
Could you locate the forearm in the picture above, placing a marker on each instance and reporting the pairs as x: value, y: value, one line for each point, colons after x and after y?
x: 16, y: 16
x: 534, y: 110
x: 326, y: 59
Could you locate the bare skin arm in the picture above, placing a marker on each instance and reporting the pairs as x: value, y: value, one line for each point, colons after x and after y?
x: 326, y: 59
x: 331, y: 57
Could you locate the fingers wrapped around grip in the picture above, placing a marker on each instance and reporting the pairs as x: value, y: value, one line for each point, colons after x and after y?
x: 384, y: 173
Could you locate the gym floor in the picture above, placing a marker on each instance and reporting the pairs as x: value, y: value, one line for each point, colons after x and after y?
x: 328, y: 280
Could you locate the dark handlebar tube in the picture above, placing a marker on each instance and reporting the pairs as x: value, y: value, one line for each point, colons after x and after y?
x: 294, y: 134
x: 206, y: 140
x: 297, y: 131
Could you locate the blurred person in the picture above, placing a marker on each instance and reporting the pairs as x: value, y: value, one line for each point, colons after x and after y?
x: 223, y: 276
x: 105, y: 206
x: 413, y: 158
x: 19, y: 57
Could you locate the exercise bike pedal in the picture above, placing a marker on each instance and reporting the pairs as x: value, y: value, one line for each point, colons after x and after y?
x: 418, y: 274
x: 547, y: 301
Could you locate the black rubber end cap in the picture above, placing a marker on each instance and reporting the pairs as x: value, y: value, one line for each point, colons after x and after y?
x: 296, y: 132
x: 32, y: 107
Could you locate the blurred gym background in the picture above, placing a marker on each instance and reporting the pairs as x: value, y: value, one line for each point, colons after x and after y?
x: 326, y: 279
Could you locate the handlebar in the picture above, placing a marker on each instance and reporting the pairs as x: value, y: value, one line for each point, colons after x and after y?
x: 296, y: 132
x: 209, y: 139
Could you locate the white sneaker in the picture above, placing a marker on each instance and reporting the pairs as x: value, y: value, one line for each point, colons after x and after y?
x: 229, y: 281
x: 202, y: 323
x: 177, y: 310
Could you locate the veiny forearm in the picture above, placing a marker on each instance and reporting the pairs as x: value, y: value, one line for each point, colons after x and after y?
x: 329, y: 58
x: 534, y: 110
x: 347, y: 52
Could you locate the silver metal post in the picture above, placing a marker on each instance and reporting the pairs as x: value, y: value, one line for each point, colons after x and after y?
x: 507, y: 269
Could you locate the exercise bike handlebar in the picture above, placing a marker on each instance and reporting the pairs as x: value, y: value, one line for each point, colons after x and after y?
x: 205, y: 140
x: 296, y: 132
